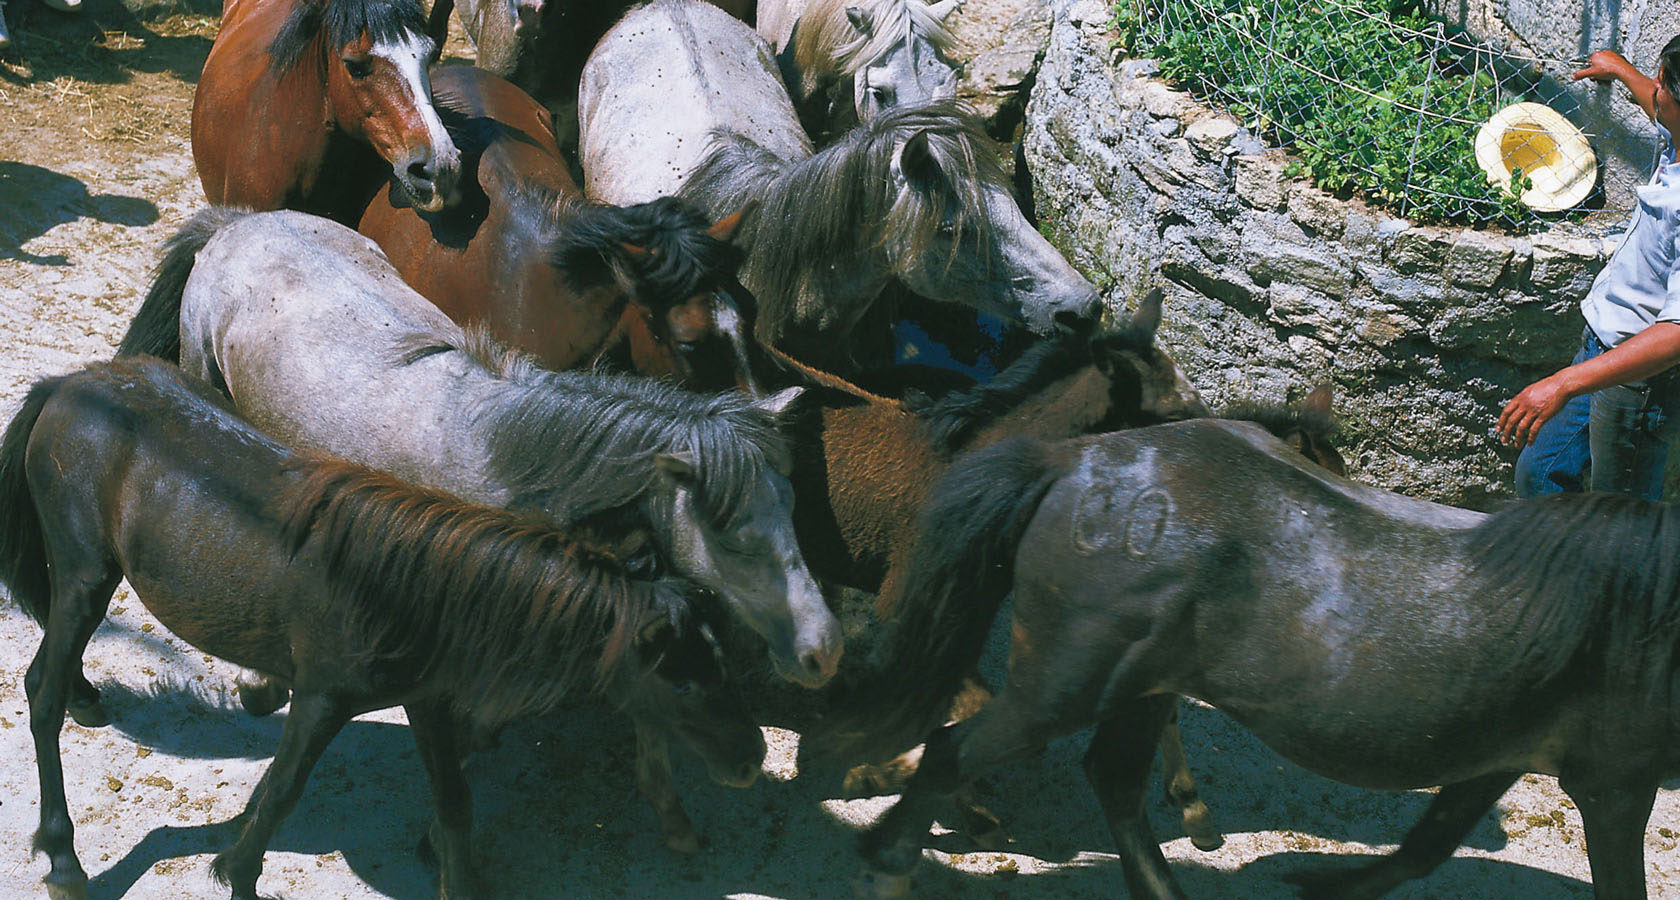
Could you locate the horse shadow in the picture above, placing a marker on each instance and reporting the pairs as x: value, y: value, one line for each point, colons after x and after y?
x: 38, y: 200
x: 105, y: 43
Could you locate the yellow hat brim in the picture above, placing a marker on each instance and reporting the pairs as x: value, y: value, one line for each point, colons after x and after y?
x: 1549, y: 149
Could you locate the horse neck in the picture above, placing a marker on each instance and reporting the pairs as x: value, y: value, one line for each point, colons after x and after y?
x: 1068, y: 408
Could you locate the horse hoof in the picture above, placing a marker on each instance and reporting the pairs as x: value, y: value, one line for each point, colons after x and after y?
x: 91, y: 715
x: 263, y: 698
x: 881, y: 886
x: 76, y: 891
x: 1207, y: 843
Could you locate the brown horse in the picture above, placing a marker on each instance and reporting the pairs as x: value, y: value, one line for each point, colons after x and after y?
x: 312, y: 104
x: 573, y: 283
x: 359, y: 591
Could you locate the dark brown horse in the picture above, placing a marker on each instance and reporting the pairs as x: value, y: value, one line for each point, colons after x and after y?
x: 312, y: 104
x: 1380, y: 640
x: 572, y: 282
x: 357, y: 590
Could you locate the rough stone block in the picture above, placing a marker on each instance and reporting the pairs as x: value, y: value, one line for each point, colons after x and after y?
x: 1260, y: 182
x: 1272, y: 257
x: 1161, y: 101
x: 1564, y: 264
x: 1293, y: 306
x: 1420, y: 250
x: 1477, y: 259
x: 1317, y: 211
x: 1210, y: 135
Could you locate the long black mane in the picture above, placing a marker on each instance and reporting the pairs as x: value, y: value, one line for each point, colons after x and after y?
x: 955, y: 418
x: 579, y: 444
x: 1597, y: 572
x: 675, y: 257
x: 341, y: 22
x: 512, y: 613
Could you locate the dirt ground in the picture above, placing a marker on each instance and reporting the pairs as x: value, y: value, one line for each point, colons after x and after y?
x: 95, y: 172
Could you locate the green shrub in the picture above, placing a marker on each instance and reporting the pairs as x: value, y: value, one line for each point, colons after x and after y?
x: 1356, y: 126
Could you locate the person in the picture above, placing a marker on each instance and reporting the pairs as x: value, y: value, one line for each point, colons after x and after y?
x: 1617, y: 406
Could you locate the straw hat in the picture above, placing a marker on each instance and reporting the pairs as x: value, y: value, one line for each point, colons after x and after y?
x: 1547, y: 147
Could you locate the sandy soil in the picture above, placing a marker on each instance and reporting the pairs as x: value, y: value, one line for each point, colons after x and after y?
x: 94, y: 173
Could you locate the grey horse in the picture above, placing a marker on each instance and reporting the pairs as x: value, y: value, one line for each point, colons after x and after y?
x: 681, y: 99
x: 845, y: 61
x: 313, y: 334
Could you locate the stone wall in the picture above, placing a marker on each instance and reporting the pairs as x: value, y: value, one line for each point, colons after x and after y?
x: 1274, y: 287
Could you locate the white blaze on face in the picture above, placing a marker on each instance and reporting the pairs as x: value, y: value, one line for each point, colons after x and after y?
x: 410, y: 55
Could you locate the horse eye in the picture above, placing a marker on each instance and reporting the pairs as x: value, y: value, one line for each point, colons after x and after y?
x: 358, y: 68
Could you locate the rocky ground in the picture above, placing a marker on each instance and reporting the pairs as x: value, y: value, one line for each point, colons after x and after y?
x: 94, y: 173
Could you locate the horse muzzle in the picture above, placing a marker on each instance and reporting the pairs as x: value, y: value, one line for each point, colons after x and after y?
x: 432, y: 182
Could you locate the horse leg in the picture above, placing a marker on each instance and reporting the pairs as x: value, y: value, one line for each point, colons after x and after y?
x: 1117, y: 766
x: 77, y: 598
x: 314, y: 720
x: 84, y: 706
x: 435, y: 730
x: 1180, y: 787
x: 955, y: 755
x: 1613, y: 815
x: 1454, y: 811
x: 653, y: 779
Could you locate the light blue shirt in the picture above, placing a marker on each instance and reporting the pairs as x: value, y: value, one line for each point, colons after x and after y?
x: 1641, y: 283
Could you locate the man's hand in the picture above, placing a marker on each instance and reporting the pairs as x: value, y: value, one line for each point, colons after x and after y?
x: 1608, y: 65
x: 1520, y: 420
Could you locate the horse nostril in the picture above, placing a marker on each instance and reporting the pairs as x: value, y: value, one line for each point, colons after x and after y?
x: 422, y: 170
x: 1073, y: 320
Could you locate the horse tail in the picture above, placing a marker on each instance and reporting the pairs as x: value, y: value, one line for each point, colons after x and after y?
x: 156, y: 329
x: 23, y: 551
x: 961, y: 567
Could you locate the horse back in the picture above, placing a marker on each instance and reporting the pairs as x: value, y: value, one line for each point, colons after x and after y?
x: 128, y: 445
x: 660, y: 82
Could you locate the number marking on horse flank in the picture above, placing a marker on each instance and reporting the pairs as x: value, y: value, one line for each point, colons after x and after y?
x: 1142, y: 524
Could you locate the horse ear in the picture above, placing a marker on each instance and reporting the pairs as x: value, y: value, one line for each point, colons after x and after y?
x: 915, y: 159
x: 1297, y: 442
x: 1148, y: 315
x: 724, y: 228
x: 942, y: 9
x: 680, y: 466
x: 1319, y: 400
x: 778, y: 403
x: 860, y: 20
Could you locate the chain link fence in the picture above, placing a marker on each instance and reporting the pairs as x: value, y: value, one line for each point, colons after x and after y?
x: 1374, y: 97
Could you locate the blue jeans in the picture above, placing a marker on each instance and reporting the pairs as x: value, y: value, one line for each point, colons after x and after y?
x: 1619, y: 435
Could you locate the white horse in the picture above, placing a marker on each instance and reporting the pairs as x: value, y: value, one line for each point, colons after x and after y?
x: 847, y: 60
x: 679, y: 98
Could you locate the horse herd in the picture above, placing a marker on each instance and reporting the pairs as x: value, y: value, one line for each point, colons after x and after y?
x: 395, y: 469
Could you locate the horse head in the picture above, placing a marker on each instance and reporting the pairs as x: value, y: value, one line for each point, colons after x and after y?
x: 727, y: 514
x: 685, y: 315
x: 685, y: 691
x: 897, y: 57
x: 1147, y: 386
x: 954, y: 232
x: 375, y: 54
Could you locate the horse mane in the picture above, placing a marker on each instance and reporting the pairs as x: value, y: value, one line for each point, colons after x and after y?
x: 825, y: 41
x: 1282, y: 419
x: 508, y: 609
x: 952, y: 420
x: 848, y: 197
x: 675, y: 257
x: 341, y: 22
x: 579, y: 444
x: 1592, y: 572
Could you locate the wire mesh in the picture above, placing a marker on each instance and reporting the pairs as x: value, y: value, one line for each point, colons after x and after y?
x: 1423, y: 119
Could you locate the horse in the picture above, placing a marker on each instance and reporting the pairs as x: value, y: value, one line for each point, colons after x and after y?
x: 306, y: 326
x: 312, y: 104
x: 844, y: 61
x: 570, y: 282
x: 916, y: 196
x: 863, y: 465
x: 1383, y: 641
x: 359, y: 590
